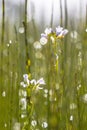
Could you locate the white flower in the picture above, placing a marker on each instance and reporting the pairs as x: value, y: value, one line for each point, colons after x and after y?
x: 41, y: 81
x: 37, y: 45
x: 23, y: 84
x: 43, y: 35
x: 33, y: 82
x: 59, y: 30
x: 26, y: 80
x: 85, y: 98
x: 73, y: 106
x: 48, y: 31
x: 64, y: 32
x: 43, y: 40
x: 34, y: 123
x: 44, y: 124
x: 71, y: 118
x: 21, y: 30
x: 23, y: 103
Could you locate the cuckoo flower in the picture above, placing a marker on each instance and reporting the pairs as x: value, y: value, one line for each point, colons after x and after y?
x: 58, y: 33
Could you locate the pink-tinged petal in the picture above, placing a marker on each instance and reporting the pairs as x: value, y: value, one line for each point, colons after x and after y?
x: 59, y: 30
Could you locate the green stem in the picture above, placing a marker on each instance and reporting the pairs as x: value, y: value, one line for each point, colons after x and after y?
x: 61, y: 15
x: 51, y: 22
x: 2, y: 39
x: 26, y: 42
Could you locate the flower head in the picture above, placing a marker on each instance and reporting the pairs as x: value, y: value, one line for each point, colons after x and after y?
x: 58, y: 30
x: 41, y: 81
x: 43, y: 40
x: 26, y: 80
x: 33, y: 82
x: 59, y: 33
x: 48, y: 31
x: 25, y: 76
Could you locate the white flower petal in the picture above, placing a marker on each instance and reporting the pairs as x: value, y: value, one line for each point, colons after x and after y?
x: 41, y: 81
x: 33, y: 81
x: 48, y: 31
x: 43, y: 40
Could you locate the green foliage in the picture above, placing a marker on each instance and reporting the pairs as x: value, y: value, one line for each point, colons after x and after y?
x: 61, y: 104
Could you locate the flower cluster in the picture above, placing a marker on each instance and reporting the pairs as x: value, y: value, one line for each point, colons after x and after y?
x: 59, y: 33
x: 34, y: 83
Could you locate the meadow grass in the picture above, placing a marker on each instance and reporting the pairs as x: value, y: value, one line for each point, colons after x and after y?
x: 62, y: 102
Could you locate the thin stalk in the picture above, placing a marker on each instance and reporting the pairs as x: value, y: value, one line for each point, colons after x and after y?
x: 2, y: 38
x: 61, y: 14
x: 17, y: 86
x: 66, y: 14
x: 26, y: 42
x: 52, y: 8
x: 80, y: 12
x: 48, y: 84
x: 86, y: 14
x: 8, y: 65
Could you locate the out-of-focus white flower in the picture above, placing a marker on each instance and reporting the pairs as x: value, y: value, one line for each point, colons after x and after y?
x: 37, y: 45
x: 73, y: 106
x: 26, y: 80
x: 48, y: 31
x: 84, y: 98
x: 25, y: 76
x: 17, y: 126
x: 21, y: 30
x: 43, y: 40
x: 41, y: 81
x: 3, y: 94
x: 71, y: 118
x: 58, y: 30
x: 23, y: 84
x: 23, y: 103
x: 44, y: 124
x: 43, y: 35
x: 64, y: 32
x: 74, y: 34
x: 33, y: 82
x: 33, y: 123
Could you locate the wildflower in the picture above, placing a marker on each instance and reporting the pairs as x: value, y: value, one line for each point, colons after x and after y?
x: 41, y: 81
x: 43, y: 40
x: 60, y: 32
x: 37, y: 45
x: 23, y: 84
x: 85, y: 98
x: 43, y: 35
x: 64, y: 32
x: 33, y: 82
x: 21, y: 30
x: 23, y: 103
x: 71, y: 118
x: 3, y: 94
x: 53, y: 35
x: 44, y: 124
x: 48, y: 31
x: 33, y: 123
x: 26, y: 80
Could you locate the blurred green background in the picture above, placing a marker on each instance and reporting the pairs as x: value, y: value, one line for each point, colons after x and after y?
x: 62, y: 103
